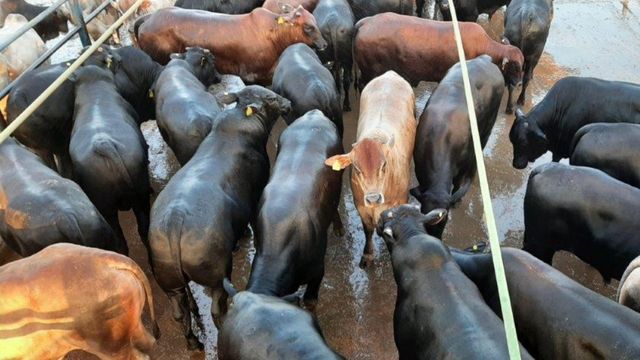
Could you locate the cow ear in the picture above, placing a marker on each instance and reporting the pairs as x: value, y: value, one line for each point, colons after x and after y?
x: 251, y: 109
x: 339, y: 162
x: 434, y: 217
x: 227, y: 98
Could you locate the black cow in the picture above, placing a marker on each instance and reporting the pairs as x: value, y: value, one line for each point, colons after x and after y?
x: 301, y: 78
x: 108, y: 151
x: 49, y: 28
x: 39, y: 208
x: 335, y: 20
x: 135, y: 77
x: 291, y: 240
x: 48, y: 129
x: 612, y: 148
x: 583, y: 211
x: 572, y: 103
x: 364, y: 8
x: 526, y: 26
x: 468, y: 10
x: 221, y: 6
x: 262, y: 327
x: 556, y: 318
x: 444, y: 157
x: 186, y: 110
x: 434, y: 295
x: 204, y: 210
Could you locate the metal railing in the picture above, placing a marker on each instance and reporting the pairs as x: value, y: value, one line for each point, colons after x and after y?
x: 80, y: 28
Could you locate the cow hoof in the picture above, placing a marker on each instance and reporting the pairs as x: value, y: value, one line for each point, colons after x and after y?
x: 366, y: 261
x: 193, y: 344
x: 311, y: 305
x: 509, y: 111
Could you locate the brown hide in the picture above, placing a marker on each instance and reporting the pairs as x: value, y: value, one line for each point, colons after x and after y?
x: 275, y: 5
x: 381, y: 156
x: 420, y: 49
x: 69, y: 297
x: 246, y: 45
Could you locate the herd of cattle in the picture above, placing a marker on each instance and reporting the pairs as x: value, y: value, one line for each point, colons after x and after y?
x: 80, y: 158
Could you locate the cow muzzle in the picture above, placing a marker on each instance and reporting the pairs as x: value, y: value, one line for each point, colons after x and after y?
x: 373, y: 199
x: 320, y: 43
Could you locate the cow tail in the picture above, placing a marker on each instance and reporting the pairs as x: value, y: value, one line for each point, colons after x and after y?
x: 138, y: 23
x: 135, y: 270
x: 576, y: 139
x: 356, y: 84
x: 634, y: 265
x: 106, y: 148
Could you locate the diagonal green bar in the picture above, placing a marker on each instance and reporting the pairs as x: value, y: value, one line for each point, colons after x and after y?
x: 496, y: 254
x: 65, y: 75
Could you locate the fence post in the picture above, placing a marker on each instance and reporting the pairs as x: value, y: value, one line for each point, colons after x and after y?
x: 77, y: 13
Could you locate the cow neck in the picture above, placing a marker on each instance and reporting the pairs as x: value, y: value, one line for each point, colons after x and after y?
x: 544, y: 114
x: 282, y: 38
x: 266, y: 280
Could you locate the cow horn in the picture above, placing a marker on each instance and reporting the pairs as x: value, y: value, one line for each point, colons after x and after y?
x: 387, y: 231
x: 206, y: 51
x: 229, y: 288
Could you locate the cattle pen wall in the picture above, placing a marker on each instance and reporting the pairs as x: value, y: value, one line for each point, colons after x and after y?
x: 512, y: 341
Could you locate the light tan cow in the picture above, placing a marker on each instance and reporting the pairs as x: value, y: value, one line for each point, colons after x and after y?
x: 381, y: 156
x: 69, y: 297
x: 629, y: 289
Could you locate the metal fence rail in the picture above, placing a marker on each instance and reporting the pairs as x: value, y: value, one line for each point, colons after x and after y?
x: 65, y: 75
x: 35, y: 21
x: 39, y: 61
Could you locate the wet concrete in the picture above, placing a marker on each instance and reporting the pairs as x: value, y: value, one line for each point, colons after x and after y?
x: 588, y: 38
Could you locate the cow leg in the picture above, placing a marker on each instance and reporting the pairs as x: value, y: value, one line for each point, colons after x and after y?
x: 509, y: 109
x: 142, y: 209
x: 111, y: 217
x: 181, y: 314
x: 47, y: 157
x: 218, y: 304
x: 65, y: 166
x: 142, y: 340
x: 193, y: 306
x: 346, y: 85
x: 313, y: 289
x: 528, y: 75
x: 367, y: 255
x: 338, y: 227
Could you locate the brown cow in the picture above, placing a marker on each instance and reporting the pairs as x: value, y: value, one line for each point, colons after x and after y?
x: 629, y: 289
x: 69, y: 297
x: 246, y: 45
x: 424, y: 50
x: 283, y: 6
x: 381, y: 156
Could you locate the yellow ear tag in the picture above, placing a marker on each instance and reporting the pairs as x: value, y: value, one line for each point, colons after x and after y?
x: 248, y: 111
x: 475, y: 247
x: 336, y: 166
x: 151, y: 95
x: 281, y: 20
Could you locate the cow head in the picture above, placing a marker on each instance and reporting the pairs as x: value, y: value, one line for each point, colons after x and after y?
x: 368, y: 158
x: 512, y: 65
x: 202, y: 63
x: 304, y: 25
x: 258, y: 101
x: 405, y: 220
x: 104, y: 57
x: 528, y: 140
